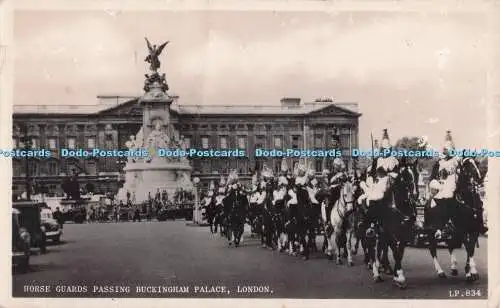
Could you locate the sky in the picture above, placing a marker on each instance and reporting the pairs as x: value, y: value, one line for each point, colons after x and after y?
x: 417, y: 74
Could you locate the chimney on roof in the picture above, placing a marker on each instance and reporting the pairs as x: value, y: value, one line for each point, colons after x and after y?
x: 290, y: 102
x: 324, y: 100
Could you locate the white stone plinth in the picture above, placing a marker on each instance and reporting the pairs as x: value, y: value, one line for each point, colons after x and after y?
x: 142, y: 178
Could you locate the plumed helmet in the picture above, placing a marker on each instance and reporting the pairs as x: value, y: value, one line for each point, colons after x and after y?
x: 211, y: 187
x: 386, y: 143
x: 255, y: 179
x: 222, y: 181
x: 448, y: 141
x: 284, y: 166
x: 233, y: 177
x: 282, y: 181
x: 266, y: 172
x: 310, y: 170
x: 325, y: 172
x: 301, y: 168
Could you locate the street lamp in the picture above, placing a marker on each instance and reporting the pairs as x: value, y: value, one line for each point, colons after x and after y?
x: 196, y: 210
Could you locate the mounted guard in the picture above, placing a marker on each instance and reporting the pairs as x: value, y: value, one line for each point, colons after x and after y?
x: 208, y: 202
x: 265, y: 203
x: 235, y: 208
x: 219, y: 218
x: 454, y: 210
x: 254, y: 211
x: 280, y: 197
x: 385, y: 224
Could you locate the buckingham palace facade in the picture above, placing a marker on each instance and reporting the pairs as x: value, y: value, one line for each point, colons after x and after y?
x: 109, y: 124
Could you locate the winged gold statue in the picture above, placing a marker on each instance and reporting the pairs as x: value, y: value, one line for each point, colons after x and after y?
x: 154, y: 54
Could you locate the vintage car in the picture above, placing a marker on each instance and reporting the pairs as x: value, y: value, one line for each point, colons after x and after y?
x: 20, y: 243
x: 53, y: 231
x: 29, y: 217
x: 177, y: 211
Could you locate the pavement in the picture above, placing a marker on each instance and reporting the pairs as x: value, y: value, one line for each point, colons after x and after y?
x: 171, y: 259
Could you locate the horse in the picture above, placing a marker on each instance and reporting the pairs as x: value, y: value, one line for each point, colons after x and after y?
x: 405, y: 194
x: 389, y: 228
x: 278, y: 218
x: 303, y: 219
x: 462, y: 212
x: 219, y: 215
x: 235, y: 204
x: 341, y: 226
x: 210, y: 208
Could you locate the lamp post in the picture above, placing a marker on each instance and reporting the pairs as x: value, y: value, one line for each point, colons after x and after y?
x: 196, y: 210
x: 27, y: 146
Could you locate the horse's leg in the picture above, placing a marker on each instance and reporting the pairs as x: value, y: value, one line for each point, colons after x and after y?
x: 349, y: 247
x: 453, y: 260
x: 433, y: 251
x: 471, y: 273
x: 376, y: 261
x: 337, y: 241
x: 384, y: 255
x: 398, y: 249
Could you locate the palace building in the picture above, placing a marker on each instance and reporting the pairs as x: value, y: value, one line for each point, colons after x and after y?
x: 109, y: 124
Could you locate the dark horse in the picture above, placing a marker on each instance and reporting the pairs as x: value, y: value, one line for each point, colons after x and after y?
x: 235, y: 205
x: 463, y: 213
x: 393, y: 225
x: 210, y: 209
x: 405, y: 193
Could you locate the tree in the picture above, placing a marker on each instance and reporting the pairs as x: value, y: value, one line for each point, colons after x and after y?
x: 408, y: 143
x: 415, y: 143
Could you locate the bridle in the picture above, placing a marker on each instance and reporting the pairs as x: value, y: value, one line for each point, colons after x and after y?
x: 345, y: 204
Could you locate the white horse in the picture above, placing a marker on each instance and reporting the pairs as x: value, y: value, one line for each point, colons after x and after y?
x: 339, y: 222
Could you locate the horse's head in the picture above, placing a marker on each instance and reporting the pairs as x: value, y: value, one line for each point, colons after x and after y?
x: 406, y: 183
x: 347, y: 195
x: 469, y: 172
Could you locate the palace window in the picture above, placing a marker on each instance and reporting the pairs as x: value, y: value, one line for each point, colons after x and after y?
x: 91, y: 167
x: 187, y: 141
x: 318, y: 141
x: 278, y: 142
x: 223, y: 142
x: 14, y: 143
x: 17, y: 167
x: 109, y: 141
x: 260, y: 141
x: 295, y: 142
x: 33, y: 168
x: 34, y: 143
x: 91, y: 142
x: 277, y: 166
x: 53, y: 167
x: 319, y: 165
x: 335, y: 141
x: 71, y: 143
x: 52, y: 143
x: 204, y: 142
x: 242, y: 142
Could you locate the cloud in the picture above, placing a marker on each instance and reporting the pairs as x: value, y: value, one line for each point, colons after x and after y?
x: 399, y: 52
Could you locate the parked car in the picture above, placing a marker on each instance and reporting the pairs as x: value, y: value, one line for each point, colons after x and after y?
x: 178, y: 211
x: 20, y: 243
x: 53, y: 231
x: 29, y: 217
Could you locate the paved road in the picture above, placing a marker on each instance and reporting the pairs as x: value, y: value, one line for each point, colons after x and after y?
x: 173, y: 254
